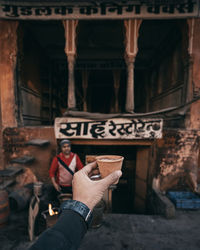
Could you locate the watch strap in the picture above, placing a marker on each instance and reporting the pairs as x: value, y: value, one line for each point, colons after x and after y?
x: 78, y: 207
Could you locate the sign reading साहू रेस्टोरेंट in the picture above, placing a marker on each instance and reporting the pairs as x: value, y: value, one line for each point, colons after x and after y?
x: 116, y: 128
x: 143, y: 9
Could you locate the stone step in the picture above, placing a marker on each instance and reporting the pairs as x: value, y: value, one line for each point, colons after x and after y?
x: 11, y: 171
x: 6, y: 183
x: 38, y: 142
x: 23, y: 160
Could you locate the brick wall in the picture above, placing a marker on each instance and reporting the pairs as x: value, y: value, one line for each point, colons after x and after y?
x: 177, y: 159
x: 14, y: 140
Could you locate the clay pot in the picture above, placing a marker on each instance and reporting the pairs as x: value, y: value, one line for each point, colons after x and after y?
x: 109, y: 163
x: 37, y: 188
x: 4, y: 208
x: 20, y: 198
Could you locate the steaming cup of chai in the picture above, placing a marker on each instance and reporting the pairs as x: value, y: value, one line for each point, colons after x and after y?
x: 108, y: 164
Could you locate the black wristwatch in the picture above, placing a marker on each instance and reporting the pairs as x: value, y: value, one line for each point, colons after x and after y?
x: 78, y: 207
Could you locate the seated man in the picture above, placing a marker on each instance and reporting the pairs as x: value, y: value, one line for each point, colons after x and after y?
x: 63, y: 168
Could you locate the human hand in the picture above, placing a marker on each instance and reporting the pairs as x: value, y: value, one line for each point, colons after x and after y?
x: 57, y: 187
x: 91, y: 192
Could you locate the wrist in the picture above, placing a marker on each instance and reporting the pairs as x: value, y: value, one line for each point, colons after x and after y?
x: 86, y: 202
x: 79, y: 207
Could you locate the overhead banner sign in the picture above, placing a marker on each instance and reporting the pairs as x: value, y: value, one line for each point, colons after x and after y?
x: 54, y: 10
x: 116, y: 128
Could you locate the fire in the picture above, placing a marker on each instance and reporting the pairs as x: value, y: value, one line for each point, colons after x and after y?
x: 51, y: 212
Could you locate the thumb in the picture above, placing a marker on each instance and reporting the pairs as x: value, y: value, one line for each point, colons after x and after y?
x: 111, y: 178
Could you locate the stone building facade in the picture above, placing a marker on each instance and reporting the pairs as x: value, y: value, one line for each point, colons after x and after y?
x: 129, y: 60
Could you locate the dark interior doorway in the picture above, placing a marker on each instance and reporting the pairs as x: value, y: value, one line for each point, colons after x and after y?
x: 43, y: 70
x: 100, y: 90
x: 123, y: 195
x: 100, y: 51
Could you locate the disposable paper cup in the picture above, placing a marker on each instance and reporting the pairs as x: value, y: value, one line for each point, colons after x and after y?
x: 109, y: 163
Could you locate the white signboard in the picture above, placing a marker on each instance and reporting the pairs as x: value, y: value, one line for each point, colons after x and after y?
x: 53, y: 10
x: 116, y: 128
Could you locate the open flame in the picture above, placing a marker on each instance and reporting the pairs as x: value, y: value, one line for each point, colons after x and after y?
x: 51, y: 212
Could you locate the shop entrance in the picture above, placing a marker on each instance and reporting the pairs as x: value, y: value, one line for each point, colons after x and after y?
x: 131, y: 193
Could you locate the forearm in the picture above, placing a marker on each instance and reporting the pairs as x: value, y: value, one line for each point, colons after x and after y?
x: 55, y: 184
x: 71, y: 226
x: 65, y: 234
x: 53, y: 180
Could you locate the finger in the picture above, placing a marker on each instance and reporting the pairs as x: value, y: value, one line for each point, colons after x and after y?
x: 88, y: 168
x: 111, y: 178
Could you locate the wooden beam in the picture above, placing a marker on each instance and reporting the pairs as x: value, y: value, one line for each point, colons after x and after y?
x: 112, y: 142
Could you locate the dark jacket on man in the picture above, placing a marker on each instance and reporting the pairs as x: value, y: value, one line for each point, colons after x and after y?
x: 66, y: 234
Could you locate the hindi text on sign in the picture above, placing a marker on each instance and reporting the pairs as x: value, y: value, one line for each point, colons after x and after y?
x: 116, y: 128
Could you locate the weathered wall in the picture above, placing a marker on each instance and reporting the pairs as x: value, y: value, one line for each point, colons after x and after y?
x: 166, y: 79
x: 8, y: 57
x: 14, y: 140
x: 8, y: 52
x: 31, y: 58
x: 177, y: 159
x: 177, y: 154
x: 169, y: 87
x: 33, y: 67
x: 193, y: 121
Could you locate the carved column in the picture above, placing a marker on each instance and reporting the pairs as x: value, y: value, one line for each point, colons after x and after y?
x: 71, y: 101
x: 70, y: 50
x: 85, y: 74
x: 131, y: 48
x: 130, y: 100
x: 116, y: 77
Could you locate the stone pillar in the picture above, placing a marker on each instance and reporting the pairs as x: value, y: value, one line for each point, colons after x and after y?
x: 8, y: 58
x: 130, y: 97
x: 70, y: 50
x: 131, y: 27
x: 85, y: 75
x: 116, y: 78
x: 71, y: 101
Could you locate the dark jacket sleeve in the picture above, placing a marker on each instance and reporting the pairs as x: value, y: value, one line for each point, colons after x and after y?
x: 66, y: 234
